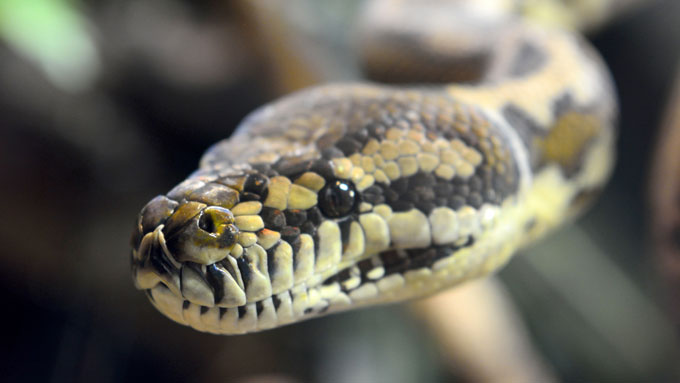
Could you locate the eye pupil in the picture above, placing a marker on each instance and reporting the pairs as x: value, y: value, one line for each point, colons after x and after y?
x: 337, y: 198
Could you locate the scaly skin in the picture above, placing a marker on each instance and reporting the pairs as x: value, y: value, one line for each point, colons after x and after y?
x: 344, y: 196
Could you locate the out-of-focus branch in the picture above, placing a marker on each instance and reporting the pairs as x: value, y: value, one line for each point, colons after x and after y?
x: 481, y: 335
x: 664, y: 195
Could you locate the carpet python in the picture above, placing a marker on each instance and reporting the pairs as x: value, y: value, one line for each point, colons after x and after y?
x: 349, y: 195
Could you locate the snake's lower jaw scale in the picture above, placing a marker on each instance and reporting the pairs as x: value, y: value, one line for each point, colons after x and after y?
x: 256, y: 291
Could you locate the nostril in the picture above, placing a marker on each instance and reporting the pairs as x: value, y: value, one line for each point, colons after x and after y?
x: 207, y: 223
x: 214, y: 218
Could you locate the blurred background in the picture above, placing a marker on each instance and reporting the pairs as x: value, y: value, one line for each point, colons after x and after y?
x: 105, y: 104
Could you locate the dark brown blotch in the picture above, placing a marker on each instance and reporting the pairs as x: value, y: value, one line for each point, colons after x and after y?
x: 215, y: 277
x: 291, y: 166
x: 274, y: 219
x: 156, y: 212
x: 349, y: 146
x: 276, y: 301
x: 290, y: 234
x: 248, y: 196
x: 216, y: 195
x: 308, y: 228
x: 241, y: 311
x: 314, y: 216
x: 244, y: 268
x: 256, y: 183
x: 323, y: 168
x: 295, y: 217
x: 373, y: 195
x: 180, y: 217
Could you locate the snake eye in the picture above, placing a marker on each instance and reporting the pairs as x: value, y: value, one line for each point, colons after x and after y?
x: 337, y: 198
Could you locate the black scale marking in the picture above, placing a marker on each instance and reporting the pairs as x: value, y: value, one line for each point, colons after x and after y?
x: 399, y: 261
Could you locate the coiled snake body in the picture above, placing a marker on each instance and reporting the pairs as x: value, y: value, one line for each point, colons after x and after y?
x: 349, y: 195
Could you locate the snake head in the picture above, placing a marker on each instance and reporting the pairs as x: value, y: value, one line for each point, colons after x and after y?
x: 180, y: 242
x: 271, y: 231
x: 230, y: 243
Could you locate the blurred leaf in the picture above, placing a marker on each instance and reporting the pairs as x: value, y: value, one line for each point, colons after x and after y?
x: 54, y: 36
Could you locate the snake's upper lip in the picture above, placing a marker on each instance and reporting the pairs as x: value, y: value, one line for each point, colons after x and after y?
x: 164, y: 230
x: 152, y: 263
x: 216, y: 284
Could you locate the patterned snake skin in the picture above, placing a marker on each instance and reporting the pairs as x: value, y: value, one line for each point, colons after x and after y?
x: 348, y: 195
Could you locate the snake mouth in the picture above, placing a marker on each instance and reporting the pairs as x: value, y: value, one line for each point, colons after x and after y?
x: 196, y: 261
x: 231, y: 294
x: 218, y: 297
